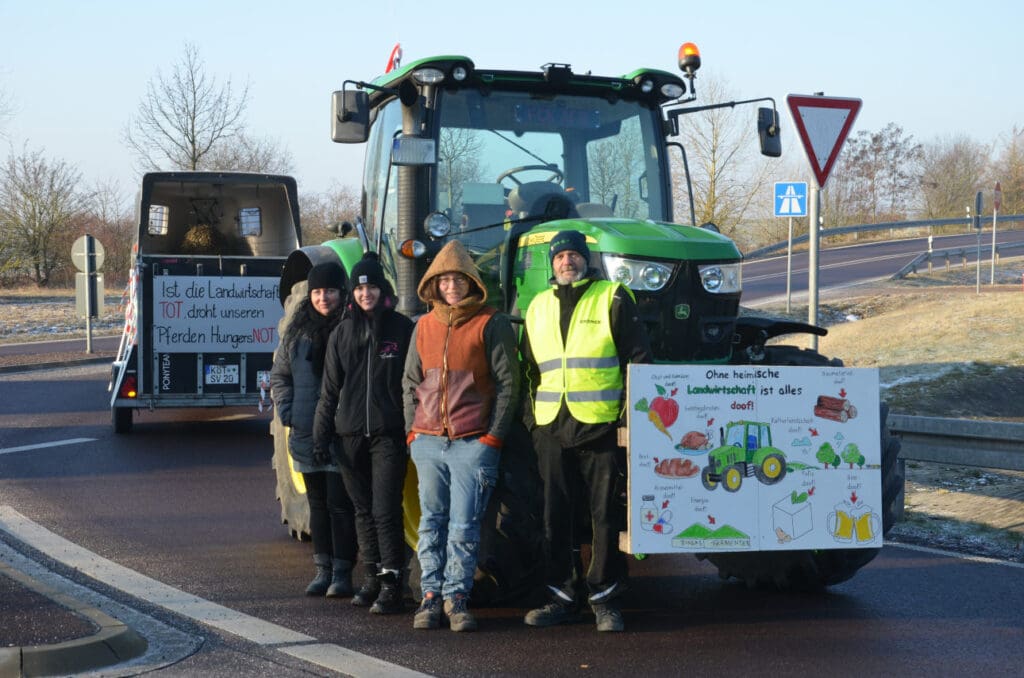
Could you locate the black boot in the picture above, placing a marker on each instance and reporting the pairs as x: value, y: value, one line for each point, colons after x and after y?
x: 367, y: 593
x: 322, y: 580
x: 341, y: 581
x: 389, y: 601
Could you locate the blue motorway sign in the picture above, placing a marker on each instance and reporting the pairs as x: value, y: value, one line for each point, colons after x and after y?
x: 791, y: 198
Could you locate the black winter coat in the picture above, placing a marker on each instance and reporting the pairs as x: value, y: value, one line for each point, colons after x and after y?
x: 361, y: 392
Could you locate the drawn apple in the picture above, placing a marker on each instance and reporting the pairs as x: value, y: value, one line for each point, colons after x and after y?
x: 667, y: 408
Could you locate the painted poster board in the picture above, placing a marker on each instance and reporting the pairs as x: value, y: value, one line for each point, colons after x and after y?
x: 193, y: 314
x: 743, y: 458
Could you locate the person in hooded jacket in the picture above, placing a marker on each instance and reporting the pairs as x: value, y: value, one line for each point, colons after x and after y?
x: 361, y: 409
x: 295, y: 387
x: 460, y: 392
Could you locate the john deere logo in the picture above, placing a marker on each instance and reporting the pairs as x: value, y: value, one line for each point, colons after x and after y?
x: 682, y: 311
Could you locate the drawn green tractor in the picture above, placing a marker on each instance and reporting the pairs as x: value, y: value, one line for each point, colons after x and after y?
x: 746, y: 450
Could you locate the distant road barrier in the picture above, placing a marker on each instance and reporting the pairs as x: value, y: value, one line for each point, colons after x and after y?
x: 964, y: 442
x: 946, y: 255
x: 865, y: 228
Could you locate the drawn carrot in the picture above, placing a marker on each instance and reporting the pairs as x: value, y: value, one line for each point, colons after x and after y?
x: 654, y: 417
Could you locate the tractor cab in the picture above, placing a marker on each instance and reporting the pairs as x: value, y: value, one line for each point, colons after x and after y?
x: 502, y: 160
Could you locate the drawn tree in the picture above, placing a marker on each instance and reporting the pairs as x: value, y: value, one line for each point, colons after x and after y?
x: 851, y: 455
x: 827, y: 455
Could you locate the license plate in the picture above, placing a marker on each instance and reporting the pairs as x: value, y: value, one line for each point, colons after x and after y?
x: 221, y: 374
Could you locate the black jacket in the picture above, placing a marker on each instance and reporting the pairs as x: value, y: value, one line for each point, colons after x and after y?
x: 362, y: 382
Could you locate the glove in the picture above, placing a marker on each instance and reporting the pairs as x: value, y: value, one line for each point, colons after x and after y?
x: 322, y: 456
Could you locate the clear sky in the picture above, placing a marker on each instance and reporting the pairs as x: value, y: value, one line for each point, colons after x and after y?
x: 75, y: 71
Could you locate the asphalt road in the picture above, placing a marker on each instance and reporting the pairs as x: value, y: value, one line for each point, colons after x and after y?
x: 765, y: 279
x: 182, y: 510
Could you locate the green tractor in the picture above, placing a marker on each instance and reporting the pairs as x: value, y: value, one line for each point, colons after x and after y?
x: 502, y: 160
x: 746, y: 450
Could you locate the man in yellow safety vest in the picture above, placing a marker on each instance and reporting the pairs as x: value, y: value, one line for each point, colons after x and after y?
x: 579, y: 337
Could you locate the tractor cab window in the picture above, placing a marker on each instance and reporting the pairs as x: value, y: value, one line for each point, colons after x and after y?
x: 379, y: 176
x: 508, y: 157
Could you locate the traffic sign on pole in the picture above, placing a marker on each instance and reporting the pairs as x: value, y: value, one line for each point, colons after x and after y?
x: 823, y: 124
x: 997, y: 197
x: 791, y: 198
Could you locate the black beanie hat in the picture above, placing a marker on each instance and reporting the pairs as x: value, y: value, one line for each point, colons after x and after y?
x: 569, y: 240
x: 368, y: 272
x: 326, y: 275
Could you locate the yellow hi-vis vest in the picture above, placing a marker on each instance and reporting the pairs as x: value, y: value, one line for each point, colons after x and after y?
x: 586, y: 370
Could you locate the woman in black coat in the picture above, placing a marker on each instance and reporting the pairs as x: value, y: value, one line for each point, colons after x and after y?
x: 361, y: 409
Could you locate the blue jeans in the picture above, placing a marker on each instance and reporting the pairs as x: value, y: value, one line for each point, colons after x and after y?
x: 456, y: 478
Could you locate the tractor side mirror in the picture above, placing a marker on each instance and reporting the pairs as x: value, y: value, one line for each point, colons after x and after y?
x: 350, y: 116
x: 768, y: 132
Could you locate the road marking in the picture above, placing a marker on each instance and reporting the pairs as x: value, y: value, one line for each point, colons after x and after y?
x: 954, y: 554
x: 334, y: 657
x: 39, y: 446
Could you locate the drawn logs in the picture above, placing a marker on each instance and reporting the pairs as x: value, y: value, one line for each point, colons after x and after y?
x: 836, y: 409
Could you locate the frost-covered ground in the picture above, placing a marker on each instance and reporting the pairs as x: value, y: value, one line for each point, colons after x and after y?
x: 53, y: 317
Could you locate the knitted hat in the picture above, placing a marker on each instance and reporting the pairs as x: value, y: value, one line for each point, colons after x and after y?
x: 327, y: 275
x: 569, y: 240
x: 368, y: 272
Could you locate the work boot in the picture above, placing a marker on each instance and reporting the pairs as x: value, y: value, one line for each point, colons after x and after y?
x: 341, y: 579
x: 459, y: 616
x: 428, y: 616
x: 322, y: 580
x: 368, y: 592
x: 551, y: 614
x: 389, y: 600
x: 608, y: 617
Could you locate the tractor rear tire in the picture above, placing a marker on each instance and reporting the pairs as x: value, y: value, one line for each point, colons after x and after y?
x: 814, y: 570
x: 294, y: 505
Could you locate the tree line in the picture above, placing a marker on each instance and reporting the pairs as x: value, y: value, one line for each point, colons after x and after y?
x: 189, y: 120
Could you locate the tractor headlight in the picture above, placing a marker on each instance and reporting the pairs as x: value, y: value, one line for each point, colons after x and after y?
x: 437, y: 225
x: 721, y: 278
x: 645, y: 276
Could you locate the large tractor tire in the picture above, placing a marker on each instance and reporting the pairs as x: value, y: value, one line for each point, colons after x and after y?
x: 812, y: 570
x: 291, y: 490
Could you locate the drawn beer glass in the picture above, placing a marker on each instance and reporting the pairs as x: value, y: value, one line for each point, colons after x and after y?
x: 840, y: 523
x: 865, y: 524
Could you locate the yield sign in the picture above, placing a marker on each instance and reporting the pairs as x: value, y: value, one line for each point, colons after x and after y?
x: 823, y: 124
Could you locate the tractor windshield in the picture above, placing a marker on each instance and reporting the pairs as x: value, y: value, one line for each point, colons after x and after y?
x: 505, y: 156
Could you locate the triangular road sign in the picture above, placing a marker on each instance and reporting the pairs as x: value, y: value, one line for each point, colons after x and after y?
x: 823, y: 124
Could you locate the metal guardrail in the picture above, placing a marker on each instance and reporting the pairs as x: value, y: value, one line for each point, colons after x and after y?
x: 947, y: 254
x: 866, y: 228
x: 964, y: 442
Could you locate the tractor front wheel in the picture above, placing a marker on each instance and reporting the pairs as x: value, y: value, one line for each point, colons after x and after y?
x: 732, y: 478
x: 707, y: 476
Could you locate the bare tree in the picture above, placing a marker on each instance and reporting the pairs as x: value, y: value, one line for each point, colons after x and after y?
x: 728, y: 177
x: 952, y: 169
x: 39, y: 204
x: 110, y: 219
x: 458, y: 160
x: 1008, y: 169
x: 877, y: 175
x: 249, y: 154
x: 320, y: 210
x: 184, y: 116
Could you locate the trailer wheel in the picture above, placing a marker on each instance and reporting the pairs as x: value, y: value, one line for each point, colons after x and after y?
x: 291, y: 490
x: 813, y: 570
x: 121, y: 418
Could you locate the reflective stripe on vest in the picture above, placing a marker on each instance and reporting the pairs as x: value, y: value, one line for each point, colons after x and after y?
x: 586, y: 371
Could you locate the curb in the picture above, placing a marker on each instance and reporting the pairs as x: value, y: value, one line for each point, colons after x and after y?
x: 113, y: 643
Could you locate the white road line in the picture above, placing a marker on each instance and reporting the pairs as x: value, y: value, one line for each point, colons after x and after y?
x: 39, y: 446
x: 206, y: 612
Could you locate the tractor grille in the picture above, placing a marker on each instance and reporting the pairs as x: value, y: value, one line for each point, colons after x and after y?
x: 686, y: 323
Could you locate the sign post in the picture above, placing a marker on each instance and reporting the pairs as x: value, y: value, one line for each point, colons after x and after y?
x: 87, y: 254
x: 997, y: 202
x: 978, y: 203
x: 823, y: 124
x: 790, y: 201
